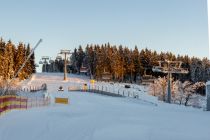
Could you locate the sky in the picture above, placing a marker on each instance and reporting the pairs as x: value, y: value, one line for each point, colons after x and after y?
x: 179, y: 26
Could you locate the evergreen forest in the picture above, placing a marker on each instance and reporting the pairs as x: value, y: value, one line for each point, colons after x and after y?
x: 124, y: 64
x: 12, y: 58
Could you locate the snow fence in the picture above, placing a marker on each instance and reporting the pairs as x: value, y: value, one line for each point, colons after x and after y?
x: 11, y: 102
x: 104, y: 90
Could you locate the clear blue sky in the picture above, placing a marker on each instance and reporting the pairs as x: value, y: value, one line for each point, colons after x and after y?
x: 179, y: 26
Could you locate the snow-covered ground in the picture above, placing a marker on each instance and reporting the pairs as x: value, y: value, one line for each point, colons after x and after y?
x: 91, y: 116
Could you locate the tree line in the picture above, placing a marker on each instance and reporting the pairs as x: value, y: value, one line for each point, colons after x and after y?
x: 11, y: 59
x: 130, y: 65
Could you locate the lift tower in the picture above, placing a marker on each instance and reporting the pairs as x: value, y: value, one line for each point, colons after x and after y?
x: 169, y: 67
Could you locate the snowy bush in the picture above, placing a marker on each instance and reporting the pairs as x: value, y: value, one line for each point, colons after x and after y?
x: 158, y: 88
x: 9, y: 87
x: 185, y: 93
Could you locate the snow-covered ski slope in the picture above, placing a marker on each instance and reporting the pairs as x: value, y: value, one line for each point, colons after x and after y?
x: 91, y: 116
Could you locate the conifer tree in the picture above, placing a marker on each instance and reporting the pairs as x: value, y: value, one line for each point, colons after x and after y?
x: 137, y: 62
x: 129, y: 65
x: 80, y: 57
x: 99, y: 62
x: 74, y: 60
x: 125, y: 64
x: 9, y: 61
x: 20, y: 58
x: 115, y: 63
x: 28, y: 66
x: 121, y: 70
x: 32, y: 60
x: 12, y: 58
x: 91, y: 59
x: 2, y: 51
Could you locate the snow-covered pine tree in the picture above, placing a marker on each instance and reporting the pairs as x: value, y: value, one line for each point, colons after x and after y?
x: 74, y: 60
x: 20, y: 58
x: 206, y: 69
x: 28, y: 66
x: 81, y: 56
x: 9, y: 61
x: 109, y: 58
x: 88, y: 53
x: 115, y: 63
x: 2, y: 51
x: 32, y: 60
x: 137, y: 58
x: 129, y: 65
x: 121, y: 69
x: 103, y: 59
x: 99, y: 68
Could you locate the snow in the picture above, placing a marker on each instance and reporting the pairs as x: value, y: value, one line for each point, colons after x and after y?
x: 91, y: 116
x: 208, y: 83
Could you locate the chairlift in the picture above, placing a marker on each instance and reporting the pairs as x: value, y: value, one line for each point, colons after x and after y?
x: 51, y: 61
x: 36, y: 65
x: 157, y: 69
x: 68, y: 64
x: 40, y: 62
x: 147, y: 78
x: 58, y: 58
x: 179, y: 71
x: 172, y: 67
x: 106, y: 76
x: 83, y: 70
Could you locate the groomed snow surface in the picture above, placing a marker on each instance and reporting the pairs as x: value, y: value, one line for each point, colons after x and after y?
x: 90, y: 116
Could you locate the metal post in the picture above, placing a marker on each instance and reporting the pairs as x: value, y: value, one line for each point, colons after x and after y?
x: 45, y: 65
x: 65, y: 67
x: 171, y: 67
x: 65, y: 52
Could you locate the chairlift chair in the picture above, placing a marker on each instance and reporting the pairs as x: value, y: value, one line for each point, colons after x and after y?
x: 40, y: 62
x: 51, y: 61
x: 83, y: 69
x: 147, y: 79
x: 106, y: 76
x: 36, y: 65
x: 157, y: 69
x: 58, y: 58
